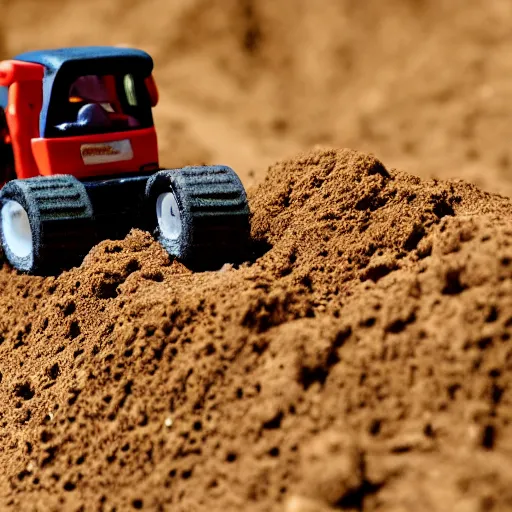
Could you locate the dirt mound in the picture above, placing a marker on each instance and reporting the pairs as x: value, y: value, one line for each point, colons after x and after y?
x: 359, y: 363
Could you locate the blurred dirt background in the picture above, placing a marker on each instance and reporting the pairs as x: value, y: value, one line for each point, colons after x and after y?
x: 362, y: 361
x: 422, y: 84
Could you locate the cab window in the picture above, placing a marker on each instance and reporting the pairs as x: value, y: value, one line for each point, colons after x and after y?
x: 103, y: 103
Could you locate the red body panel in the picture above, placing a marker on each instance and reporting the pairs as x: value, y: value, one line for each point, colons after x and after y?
x: 88, y: 156
x: 17, y: 71
x: 25, y: 99
x: 152, y: 90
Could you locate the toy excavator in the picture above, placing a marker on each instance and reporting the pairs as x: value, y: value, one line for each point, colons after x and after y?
x: 79, y: 164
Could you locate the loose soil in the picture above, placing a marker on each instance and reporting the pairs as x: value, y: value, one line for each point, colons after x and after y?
x: 360, y: 360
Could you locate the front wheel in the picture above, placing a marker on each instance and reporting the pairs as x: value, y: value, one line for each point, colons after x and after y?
x: 200, y: 215
x: 46, y: 223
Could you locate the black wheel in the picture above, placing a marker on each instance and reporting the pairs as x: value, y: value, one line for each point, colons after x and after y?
x: 201, y: 215
x: 46, y: 223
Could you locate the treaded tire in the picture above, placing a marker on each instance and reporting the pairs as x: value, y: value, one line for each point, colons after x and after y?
x: 46, y: 223
x: 211, y: 226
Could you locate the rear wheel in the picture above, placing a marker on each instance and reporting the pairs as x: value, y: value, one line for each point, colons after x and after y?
x: 201, y: 215
x: 46, y: 223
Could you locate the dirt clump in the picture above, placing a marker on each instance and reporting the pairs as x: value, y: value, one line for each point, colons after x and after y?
x: 359, y: 363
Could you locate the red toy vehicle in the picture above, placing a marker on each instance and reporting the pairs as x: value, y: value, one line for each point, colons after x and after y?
x: 79, y: 163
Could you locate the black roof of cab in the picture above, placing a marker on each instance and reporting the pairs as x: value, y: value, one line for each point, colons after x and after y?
x: 54, y: 59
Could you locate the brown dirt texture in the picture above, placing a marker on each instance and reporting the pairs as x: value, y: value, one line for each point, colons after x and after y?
x: 360, y: 361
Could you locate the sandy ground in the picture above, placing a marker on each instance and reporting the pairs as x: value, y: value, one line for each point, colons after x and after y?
x: 361, y: 361
x: 422, y: 84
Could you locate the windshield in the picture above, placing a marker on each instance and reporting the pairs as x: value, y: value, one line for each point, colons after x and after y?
x: 101, y: 104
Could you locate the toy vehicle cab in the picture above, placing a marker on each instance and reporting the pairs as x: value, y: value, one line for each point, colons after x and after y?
x: 79, y: 163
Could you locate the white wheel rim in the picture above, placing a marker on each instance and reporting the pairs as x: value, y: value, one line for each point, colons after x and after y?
x: 16, y: 229
x: 168, y: 215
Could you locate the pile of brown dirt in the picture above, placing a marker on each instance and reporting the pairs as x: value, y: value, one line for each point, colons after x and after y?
x: 361, y: 363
